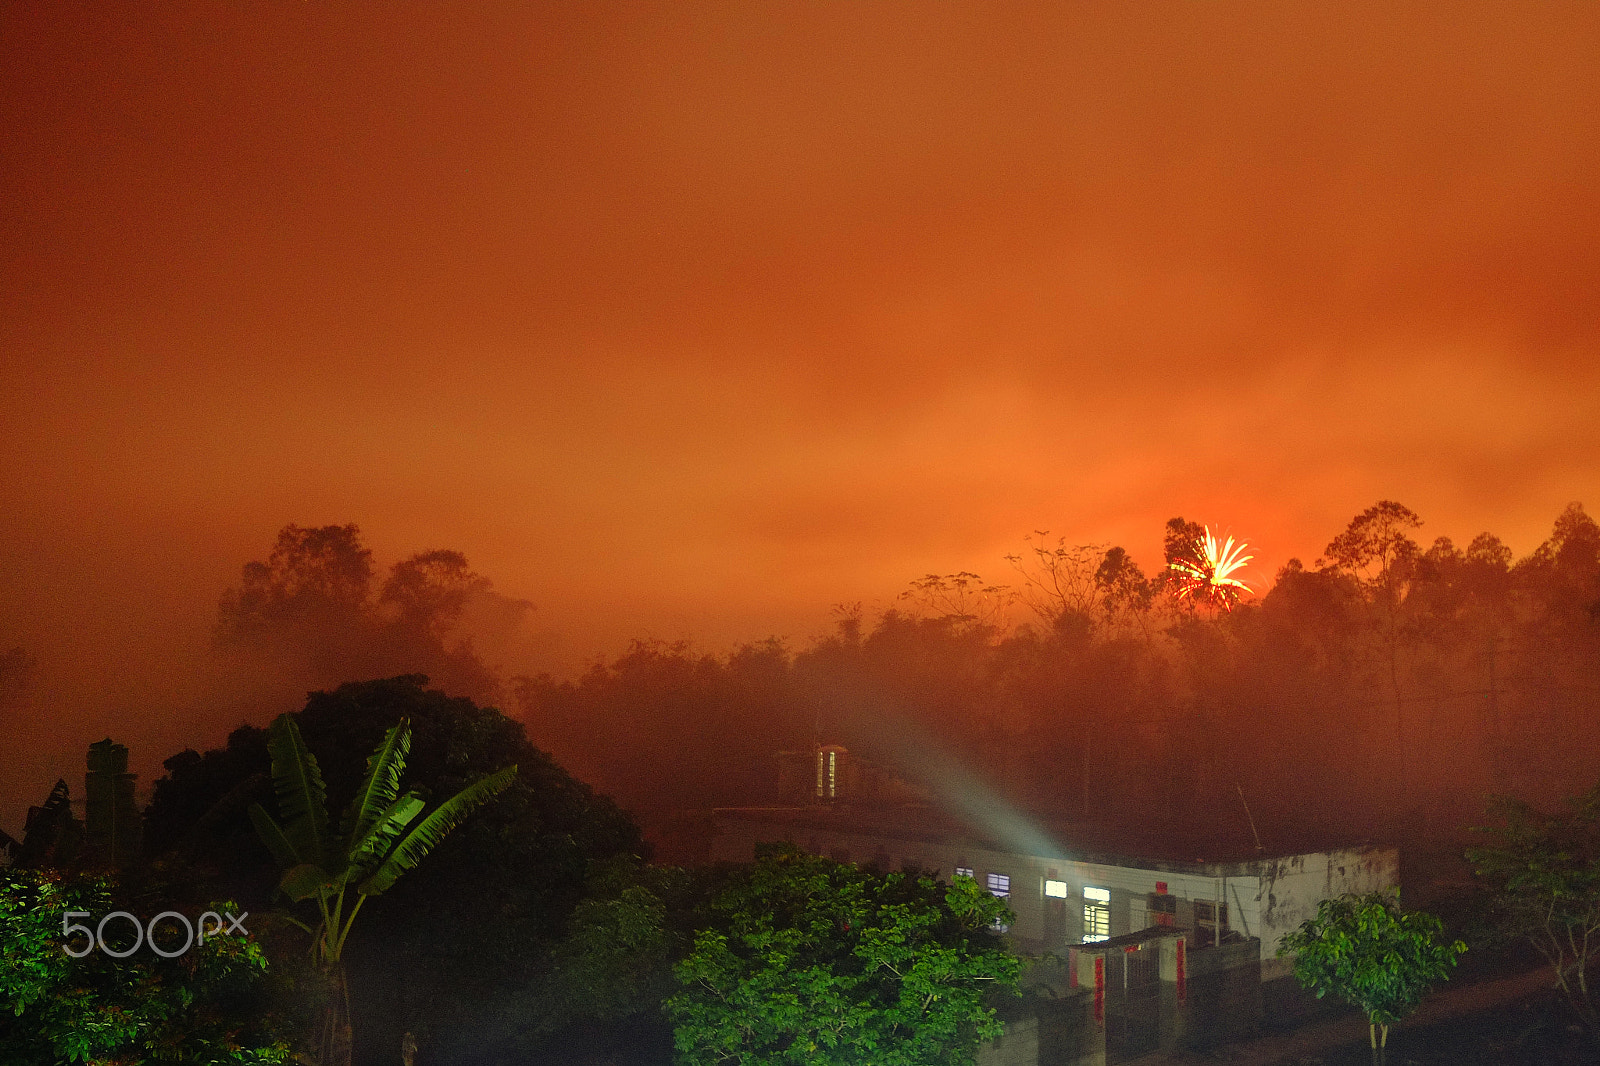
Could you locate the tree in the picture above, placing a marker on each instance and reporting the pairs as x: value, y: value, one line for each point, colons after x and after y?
x: 1376, y: 547
x: 1543, y: 875
x: 310, y: 610
x: 314, y: 576
x: 204, y: 1005
x: 367, y: 855
x: 1090, y: 582
x: 458, y: 945
x: 824, y: 963
x: 962, y: 601
x: 1368, y: 952
x: 52, y: 837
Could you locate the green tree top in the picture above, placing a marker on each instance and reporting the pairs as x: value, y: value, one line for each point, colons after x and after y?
x: 206, y: 1004
x: 818, y: 962
x: 372, y: 846
x: 1368, y: 952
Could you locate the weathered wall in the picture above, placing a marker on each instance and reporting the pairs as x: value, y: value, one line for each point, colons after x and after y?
x: 1291, y: 889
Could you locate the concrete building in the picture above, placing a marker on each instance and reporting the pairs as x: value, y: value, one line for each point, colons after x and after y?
x: 1135, y: 952
x: 1066, y: 897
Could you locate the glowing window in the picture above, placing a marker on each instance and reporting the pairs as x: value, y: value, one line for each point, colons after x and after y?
x: 1058, y: 889
x: 1000, y: 885
x: 827, y: 774
x: 1096, y: 914
x: 963, y: 871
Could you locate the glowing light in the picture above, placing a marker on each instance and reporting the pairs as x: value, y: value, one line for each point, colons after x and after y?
x: 1207, y: 578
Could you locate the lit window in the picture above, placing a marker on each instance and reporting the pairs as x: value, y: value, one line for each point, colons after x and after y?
x: 1096, y: 914
x: 1000, y: 885
x: 1058, y: 889
x: 827, y: 774
x: 963, y: 871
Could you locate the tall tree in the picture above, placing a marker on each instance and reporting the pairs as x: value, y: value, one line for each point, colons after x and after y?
x: 311, y: 609
x: 1377, y: 547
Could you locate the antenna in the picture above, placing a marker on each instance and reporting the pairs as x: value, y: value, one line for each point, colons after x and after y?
x: 1253, y: 832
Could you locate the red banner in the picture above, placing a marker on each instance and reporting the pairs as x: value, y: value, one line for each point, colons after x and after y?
x: 1183, y: 985
x: 1100, y: 989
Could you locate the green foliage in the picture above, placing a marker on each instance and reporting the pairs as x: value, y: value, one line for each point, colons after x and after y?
x: 1542, y: 872
x: 365, y: 860
x: 458, y: 951
x: 370, y: 854
x: 616, y: 958
x: 204, y: 1006
x: 1368, y: 952
x: 818, y: 962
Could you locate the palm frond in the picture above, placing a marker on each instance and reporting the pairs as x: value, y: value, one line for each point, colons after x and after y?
x: 283, y: 852
x: 302, y: 797
x: 433, y: 829
x: 381, y: 784
x: 388, y: 825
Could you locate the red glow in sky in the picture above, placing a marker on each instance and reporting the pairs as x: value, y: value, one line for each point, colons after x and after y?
x: 692, y: 320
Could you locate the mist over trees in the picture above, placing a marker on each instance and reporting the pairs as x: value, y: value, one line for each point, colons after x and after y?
x: 1388, y: 681
x: 315, y: 615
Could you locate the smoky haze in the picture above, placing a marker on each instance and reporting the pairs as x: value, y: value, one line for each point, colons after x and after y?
x: 686, y: 325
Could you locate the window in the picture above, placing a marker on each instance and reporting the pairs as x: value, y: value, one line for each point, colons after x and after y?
x: 1096, y: 914
x: 963, y: 871
x: 1000, y: 886
x: 1210, y: 922
x: 827, y: 774
x: 1058, y: 889
x: 1163, y: 909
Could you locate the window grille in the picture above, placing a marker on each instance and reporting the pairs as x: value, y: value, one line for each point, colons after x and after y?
x: 1096, y: 914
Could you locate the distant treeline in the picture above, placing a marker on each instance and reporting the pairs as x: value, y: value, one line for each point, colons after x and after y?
x: 1384, y: 684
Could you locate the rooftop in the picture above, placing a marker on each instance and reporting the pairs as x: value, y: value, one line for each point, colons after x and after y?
x: 1179, y: 845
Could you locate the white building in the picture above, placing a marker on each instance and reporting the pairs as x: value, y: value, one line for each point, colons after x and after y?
x: 1065, y: 897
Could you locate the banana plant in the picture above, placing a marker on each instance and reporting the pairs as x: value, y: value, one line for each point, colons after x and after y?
x: 368, y: 852
x: 371, y: 848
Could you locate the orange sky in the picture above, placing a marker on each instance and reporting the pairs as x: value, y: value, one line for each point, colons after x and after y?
x: 693, y: 320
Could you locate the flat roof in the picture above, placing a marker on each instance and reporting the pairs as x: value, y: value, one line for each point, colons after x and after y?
x: 1173, y: 848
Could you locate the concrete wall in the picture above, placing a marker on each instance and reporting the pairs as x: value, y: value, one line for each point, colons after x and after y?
x: 1292, y: 887
x: 1266, y: 898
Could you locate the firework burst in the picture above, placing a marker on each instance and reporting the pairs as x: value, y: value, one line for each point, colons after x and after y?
x: 1207, y: 578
